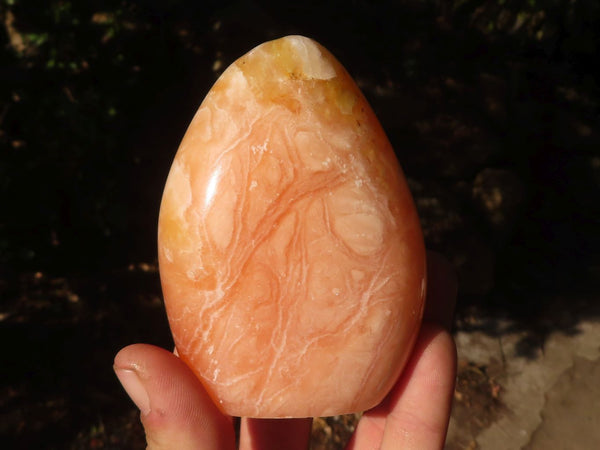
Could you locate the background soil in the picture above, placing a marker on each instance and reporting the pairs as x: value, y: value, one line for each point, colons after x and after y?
x: 492, y: 107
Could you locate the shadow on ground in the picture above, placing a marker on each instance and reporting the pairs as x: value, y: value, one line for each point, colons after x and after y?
x: 492, y: 107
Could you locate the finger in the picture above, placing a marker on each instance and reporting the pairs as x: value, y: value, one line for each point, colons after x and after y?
x: 369, y: 432
x: 266, y: 434
x: 442, y: 286
x: 415, y: 413
x: 175, y: 409
x: 439, y: 309
x: 418, y: 408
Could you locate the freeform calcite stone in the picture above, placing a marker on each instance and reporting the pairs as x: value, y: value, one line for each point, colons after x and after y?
x: 291, y: 256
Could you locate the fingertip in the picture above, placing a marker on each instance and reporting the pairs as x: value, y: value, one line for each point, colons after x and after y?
x: 176, y: 410
x: 134, y: 387
x: 436, y: 357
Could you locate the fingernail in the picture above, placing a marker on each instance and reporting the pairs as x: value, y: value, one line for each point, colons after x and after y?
x: 135, y: 388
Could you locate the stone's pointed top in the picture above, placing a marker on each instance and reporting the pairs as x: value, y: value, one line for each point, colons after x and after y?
x: 314, y: 64
x: 291, y: 57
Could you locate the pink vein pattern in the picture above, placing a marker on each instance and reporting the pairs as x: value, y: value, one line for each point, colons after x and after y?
x: 290, y: 252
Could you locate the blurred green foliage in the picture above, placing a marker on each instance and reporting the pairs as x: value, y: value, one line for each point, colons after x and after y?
x: 76, y: 78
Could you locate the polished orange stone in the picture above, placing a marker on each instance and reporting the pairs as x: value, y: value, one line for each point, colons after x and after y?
x: 291, y: 256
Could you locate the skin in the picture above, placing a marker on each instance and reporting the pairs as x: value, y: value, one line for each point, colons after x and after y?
x: 177, y: 413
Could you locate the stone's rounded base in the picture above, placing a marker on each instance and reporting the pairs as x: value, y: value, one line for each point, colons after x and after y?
x: 291, y: 256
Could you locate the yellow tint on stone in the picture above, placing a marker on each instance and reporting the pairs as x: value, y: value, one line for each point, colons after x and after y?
x: 291, y: 256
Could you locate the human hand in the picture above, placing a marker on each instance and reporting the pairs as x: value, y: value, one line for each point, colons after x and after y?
x: 177, y: 413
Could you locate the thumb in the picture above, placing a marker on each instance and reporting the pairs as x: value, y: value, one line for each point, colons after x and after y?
x: 176, y: 411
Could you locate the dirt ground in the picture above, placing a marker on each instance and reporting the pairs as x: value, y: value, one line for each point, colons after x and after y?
x: 492, y: 107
